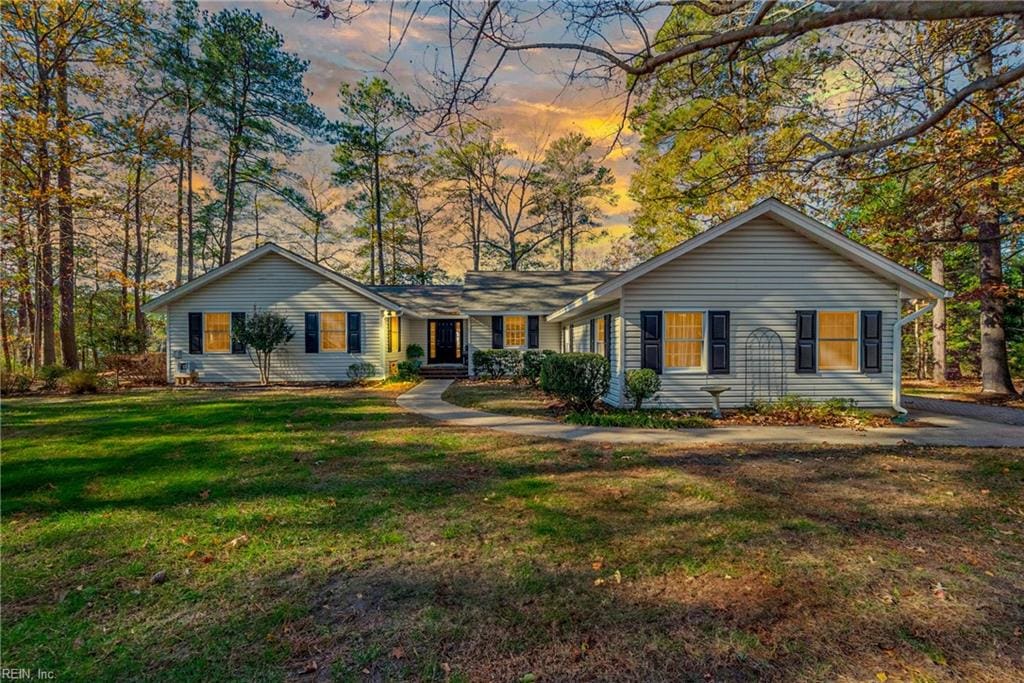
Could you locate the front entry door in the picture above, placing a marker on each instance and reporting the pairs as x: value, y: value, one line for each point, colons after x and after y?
x: 445, y: 341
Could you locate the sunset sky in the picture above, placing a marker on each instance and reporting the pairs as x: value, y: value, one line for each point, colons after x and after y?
x: 530, y: 99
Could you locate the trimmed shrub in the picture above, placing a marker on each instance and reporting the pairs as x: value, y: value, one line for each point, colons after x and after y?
x: 50, y: 375
x: 408, y: 370
x: 641, y: 385
x: 81, y: 382
x: 496, y: 363
x: 360, y: 372
x: 414, y: 352
x: 579, y: 379
x: 17, y: 382
x: 532, y: 362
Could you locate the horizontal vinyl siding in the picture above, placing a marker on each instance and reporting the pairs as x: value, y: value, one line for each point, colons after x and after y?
x: 275, y: 283
x: 762, y: 273
x: 413, y: 331
x: 581, y: 333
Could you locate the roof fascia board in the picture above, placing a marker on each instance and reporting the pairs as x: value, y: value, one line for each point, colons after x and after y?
x: 270, y: 248
x: 788, y: 216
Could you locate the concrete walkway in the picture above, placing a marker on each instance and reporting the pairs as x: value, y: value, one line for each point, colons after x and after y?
x: 941, y: 430
x: 976, y: 411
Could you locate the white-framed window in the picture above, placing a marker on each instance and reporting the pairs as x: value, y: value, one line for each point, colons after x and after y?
x: 838, y: 340
x: 599, y: 335
x: 394, y: 334
x: 515, y: 331
x: 333, y: 331
x: 683, y: 346
x: 216, y: 333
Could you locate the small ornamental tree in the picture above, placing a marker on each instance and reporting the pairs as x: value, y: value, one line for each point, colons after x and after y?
x: 262, y: 333
x: 641, y: 385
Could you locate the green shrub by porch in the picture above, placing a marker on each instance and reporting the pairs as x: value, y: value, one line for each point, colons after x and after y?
x: 579, y: 379
x: 532, y: 361
x: 497, y: 363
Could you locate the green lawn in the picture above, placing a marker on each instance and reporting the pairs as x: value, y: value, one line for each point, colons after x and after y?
x: 324, y: 534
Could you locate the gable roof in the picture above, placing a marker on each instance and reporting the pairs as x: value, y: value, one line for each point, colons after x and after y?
x: 909, y: 281
x: 423, y: 300
x: 501, y: 291
x: 254, y: 255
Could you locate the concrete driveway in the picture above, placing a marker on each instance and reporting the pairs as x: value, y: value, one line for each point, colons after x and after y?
x: 939, y: 430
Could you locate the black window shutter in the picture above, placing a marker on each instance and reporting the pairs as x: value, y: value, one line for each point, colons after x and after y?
x: 871, y: 341
x: 806, y: 341
x: 650, y: 340
x: 195, y: 333
x: 608, y: 336
x: 237, y: 320
x: 533, y: 332
x: 312, y: 333
x: 572, y: 337
x: 718, y: 343
x: 354, y: 327
x: 593, y: 335
x: 497, y: 332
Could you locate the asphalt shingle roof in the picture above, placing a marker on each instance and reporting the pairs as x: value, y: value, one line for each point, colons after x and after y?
x: 423, y: 300
x: 527, y: 291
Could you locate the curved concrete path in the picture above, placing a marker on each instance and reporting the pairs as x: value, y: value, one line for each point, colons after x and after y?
x: 941, y: 430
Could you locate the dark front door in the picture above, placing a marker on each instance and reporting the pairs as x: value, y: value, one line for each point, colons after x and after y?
x: 445, y: 341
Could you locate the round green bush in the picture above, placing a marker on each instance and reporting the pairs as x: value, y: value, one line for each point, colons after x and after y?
x: 414, y: 352
x: 641, y: 385
x: 532, y: 362
x: 579, y: 379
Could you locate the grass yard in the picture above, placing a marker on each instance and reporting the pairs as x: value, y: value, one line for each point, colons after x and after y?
x: 323, y: 534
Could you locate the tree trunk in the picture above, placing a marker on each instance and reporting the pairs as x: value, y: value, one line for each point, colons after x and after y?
x: 8, y: 362
x: 140, y: 319
x: 188, y: 199
x: 995, y: 367
x: 26, y: 309
x: 66, y: 226
x: 256, y: 213
x: 939, y: 374
x: 229, y: 208
x: 45, y: 349
x: 377, y: 212
x: 179, y: 215
x: 125, y: 250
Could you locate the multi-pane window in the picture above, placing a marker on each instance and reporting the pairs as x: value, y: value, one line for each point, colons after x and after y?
x: 515, y: 330
x: 837, y: 340
x: 599, y: 336
x: 394, y: 333
x: 684, y: 339
x: 217, y: 332
x: 332, y: 331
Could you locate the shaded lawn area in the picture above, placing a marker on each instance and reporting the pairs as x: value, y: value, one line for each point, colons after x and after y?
x: 967, y: 390
x: 324, y: 534
x: 505, y: 397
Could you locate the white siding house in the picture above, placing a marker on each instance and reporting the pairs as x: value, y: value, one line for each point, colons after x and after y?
x: 726, y: 308
x: 768, y: 303
x: 269, y: 278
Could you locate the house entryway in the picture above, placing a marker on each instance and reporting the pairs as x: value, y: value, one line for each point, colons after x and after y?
x: 444, y: 342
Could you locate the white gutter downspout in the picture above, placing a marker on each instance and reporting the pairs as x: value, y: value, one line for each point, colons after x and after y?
x: 897, y: 354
